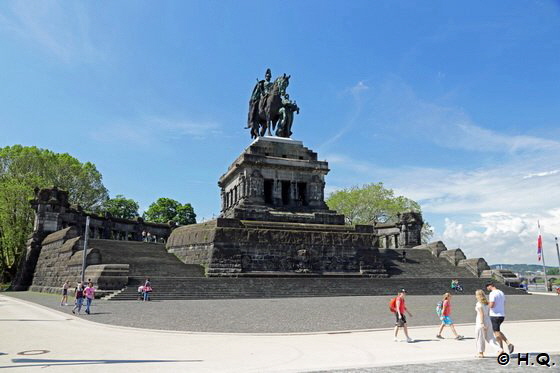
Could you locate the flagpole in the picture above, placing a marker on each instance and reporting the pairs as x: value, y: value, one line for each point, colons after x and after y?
x: 541, y: 252
x: 557, y: 253
x: 544, y: 268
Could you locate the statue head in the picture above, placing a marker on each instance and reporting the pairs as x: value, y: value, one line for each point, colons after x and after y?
x: 268, y: 75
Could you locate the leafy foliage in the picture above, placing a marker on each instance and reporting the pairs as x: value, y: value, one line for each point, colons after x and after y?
x: 121, y: 207
x: 165, y: 210
x: 22, y: 169
x: 373, y: 203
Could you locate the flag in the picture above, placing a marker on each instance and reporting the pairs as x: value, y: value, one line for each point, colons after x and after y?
x: 539, y: 244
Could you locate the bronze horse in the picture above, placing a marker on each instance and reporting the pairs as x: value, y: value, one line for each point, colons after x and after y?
x: 265, y: 112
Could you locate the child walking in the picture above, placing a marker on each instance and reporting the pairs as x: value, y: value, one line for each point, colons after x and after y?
x: 446, y: 317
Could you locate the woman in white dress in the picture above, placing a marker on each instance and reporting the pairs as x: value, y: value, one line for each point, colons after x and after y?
x: 483, y: 327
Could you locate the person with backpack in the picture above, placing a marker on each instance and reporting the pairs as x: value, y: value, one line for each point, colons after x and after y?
x: 397, y: 305
x: 443, y: 310
x: 79, y: 292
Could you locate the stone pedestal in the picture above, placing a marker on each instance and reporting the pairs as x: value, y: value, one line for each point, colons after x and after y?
x: 277, y: 179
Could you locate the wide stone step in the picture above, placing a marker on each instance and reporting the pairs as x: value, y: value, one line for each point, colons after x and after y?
x: 228, y: 288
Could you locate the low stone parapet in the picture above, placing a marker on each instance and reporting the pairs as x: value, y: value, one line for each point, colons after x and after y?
x: 453, y: 256
x: 436, y: 247
x: 475, y: 265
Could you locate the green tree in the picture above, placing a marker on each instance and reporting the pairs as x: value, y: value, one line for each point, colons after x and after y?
x: 373, y: 203
x: 553, y: 271
x: 121, y: 207
x: 24, y: 168
x: 167, y: 209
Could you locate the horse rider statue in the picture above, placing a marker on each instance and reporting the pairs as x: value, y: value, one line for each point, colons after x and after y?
x: 269, y: 105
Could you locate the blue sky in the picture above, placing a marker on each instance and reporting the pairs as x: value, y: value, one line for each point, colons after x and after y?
x: 456, y: 106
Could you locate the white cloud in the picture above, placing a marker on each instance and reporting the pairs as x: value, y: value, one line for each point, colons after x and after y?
x: 541, y: 174
x: 504, y: 202
x: 502, y: 237
x: 359, y: 88
x: 396, y: 107
x: 356, y: 91
x: 60, y: 29
x: 153, y: 130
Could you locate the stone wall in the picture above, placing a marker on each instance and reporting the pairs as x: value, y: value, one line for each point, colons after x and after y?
x: 233, y: 247
x: 60, y: 260
x: 54, y: 213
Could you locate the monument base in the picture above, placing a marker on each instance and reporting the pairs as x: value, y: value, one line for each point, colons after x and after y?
x: 233, y: 247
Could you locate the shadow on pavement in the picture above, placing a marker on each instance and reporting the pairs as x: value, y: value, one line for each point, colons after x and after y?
x: 33, y: 320
x: 26, y: 363
x: 425, y: 340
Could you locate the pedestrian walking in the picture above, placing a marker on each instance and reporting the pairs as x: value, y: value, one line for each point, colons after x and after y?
x: 446, y: 317
x: 89, y: 293
x: 143, y: 236
x: 497, y: 305
x: 398, y: 307
x: 483, y: 326
x: 141, y: 292
x: 64, y: 300
x: 79, y: 293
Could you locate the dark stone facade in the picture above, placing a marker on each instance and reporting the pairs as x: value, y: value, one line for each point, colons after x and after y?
x: 234, y: 247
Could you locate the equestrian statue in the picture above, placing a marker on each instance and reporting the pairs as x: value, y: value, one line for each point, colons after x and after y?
x: 270, y: 107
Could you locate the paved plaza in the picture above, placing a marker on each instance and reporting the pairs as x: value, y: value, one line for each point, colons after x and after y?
x: 35, y: 337
x: 289, y: 315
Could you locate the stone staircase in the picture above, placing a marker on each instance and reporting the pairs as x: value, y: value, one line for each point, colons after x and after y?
x: 303, y: 286
x: 421, y: 274
x: 145, y: 259
x: 420, y: 263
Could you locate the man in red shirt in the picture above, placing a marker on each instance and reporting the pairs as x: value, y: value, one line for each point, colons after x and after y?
x: 400, y: 309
